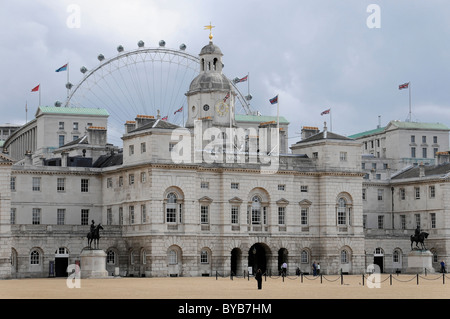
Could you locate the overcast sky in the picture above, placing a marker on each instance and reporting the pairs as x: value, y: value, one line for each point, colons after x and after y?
x: 346, y: 55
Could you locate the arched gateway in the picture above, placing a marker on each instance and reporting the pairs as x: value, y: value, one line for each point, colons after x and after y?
x: 258, y: 256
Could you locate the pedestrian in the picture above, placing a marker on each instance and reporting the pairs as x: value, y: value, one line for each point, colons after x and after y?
x: 443, y: 267
x: 283, y: 269
x: 258, y: 277
x: 314, y: 268
x: 318, y: 269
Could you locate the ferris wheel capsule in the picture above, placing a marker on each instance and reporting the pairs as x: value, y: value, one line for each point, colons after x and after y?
x: 120, y: 48
x: 182, y: 47
x: 162, y: 43
x: 100, y: 57
x: 141, y: 44
x: 83, y: 70
x: 69, y: 85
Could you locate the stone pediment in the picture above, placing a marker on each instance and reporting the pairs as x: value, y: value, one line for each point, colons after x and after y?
x: 305, y: 202
x: 282, y: 201
x: 236, y: 200
x: 205, y: 199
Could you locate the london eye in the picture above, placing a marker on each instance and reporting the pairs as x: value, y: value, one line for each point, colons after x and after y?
x: 142, y: 81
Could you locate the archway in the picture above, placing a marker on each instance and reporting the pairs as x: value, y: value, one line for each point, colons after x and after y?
x: 257, y: 257
x: 282, y: 258
x: 236, y: 257
x: 61, y: 262
x: 378, y: 258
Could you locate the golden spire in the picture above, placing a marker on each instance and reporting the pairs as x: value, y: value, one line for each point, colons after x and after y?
x: 209, y: 27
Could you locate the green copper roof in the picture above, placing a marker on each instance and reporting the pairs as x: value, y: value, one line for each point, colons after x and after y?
x: 420, y: 126
x: 403, y: 125
x: 259, y: 119
x: 375, y: 131
x: 73, y: 110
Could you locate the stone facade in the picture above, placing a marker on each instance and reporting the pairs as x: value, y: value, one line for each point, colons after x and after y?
x: 5, y: 208
x: 175, y: 205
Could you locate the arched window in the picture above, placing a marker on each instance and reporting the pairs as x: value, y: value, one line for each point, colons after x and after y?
x: 396, y: 256
x: 204, y: 257
x: 341, y: 212
x: 304, y: 257
x: 34, y: 258
x: 173, y: 260
x: 344, y: 257
x: 215, y: 64
x: 203, y: 65
x: 171, y: 208
x: 111, y: 257
x: 344, y: 211
x: 256, y: 210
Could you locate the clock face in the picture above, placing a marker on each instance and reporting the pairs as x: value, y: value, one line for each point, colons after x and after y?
x: 221, y: 108
x: 205, y: 107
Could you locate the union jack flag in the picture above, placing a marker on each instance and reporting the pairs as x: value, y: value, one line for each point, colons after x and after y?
x: 403, y: 86
x: 179, y: 110
x: 274, y: 100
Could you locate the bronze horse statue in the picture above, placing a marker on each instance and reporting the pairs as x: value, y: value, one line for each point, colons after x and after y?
x: 419, y: 239
x: 94, y: 236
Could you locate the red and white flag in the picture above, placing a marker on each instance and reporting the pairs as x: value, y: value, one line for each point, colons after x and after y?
x: 36, y: 88
x: 165, y: 118
x: 325, y: 112
x: 403, y: 86
x: 179, y: 110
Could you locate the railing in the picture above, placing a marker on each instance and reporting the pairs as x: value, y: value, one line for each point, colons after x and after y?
x: 341, y: 277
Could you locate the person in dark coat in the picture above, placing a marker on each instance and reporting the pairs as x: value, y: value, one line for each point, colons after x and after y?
x: 258, y: 277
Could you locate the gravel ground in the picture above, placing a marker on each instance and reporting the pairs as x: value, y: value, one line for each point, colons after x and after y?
x: 403, y: 287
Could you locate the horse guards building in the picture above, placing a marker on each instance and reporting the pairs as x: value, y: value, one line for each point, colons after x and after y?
x: 214, y: 196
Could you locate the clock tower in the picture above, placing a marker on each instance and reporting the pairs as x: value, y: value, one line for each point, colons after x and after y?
x: 211, y: 96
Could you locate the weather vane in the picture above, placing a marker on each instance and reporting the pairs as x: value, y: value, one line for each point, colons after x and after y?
x: 209, y: 27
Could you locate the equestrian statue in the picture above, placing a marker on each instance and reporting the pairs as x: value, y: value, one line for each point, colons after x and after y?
x: 94, y: 235
x: 419, y: 237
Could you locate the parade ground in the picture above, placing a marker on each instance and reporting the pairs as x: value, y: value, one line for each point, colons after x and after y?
x: 433, y: 286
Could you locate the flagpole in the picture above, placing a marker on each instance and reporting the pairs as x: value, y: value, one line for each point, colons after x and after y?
x: 231, y: 124
x: 409, y: 89
x: 278, y: 113
x: 26, y: 112
x: 278, y: 124
x: 331, y: 122
x: 248, y: 83
x: 39, y: 95
x: 68, y: 90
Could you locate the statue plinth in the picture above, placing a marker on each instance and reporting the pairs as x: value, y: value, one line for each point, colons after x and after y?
x: 420, y: 261
x: 93, y: 263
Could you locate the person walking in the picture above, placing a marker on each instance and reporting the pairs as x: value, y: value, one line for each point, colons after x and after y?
x: 318, y: 269
x: 284, y: 269
x: 258, y: 277
x: 314, y: 268
x: 443, y: 267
